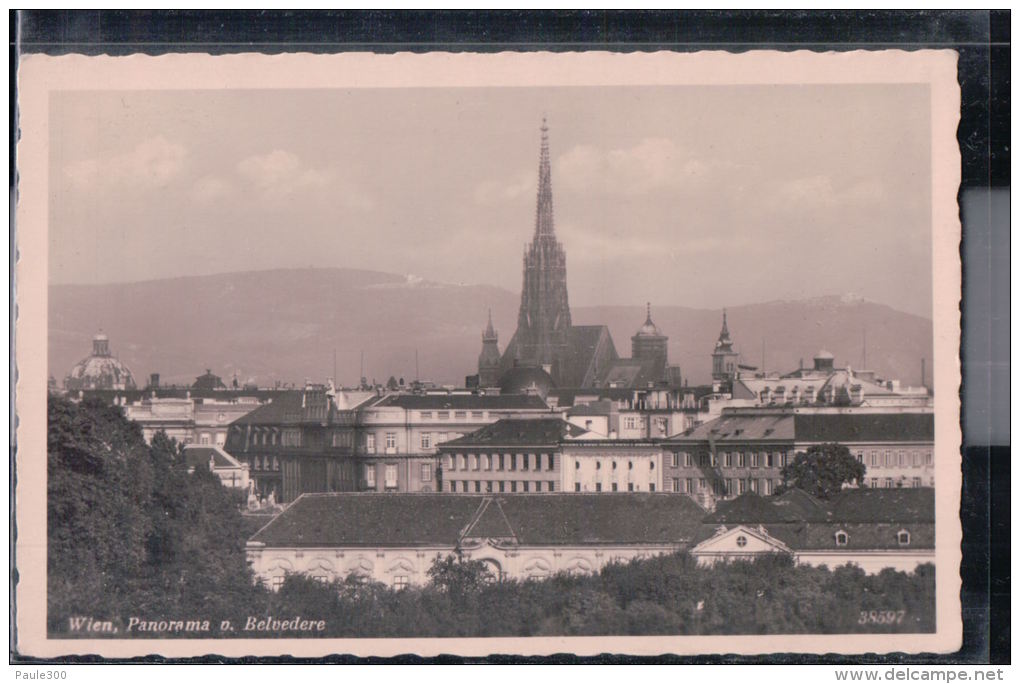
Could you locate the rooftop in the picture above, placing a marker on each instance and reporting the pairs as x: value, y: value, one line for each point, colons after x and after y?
x: 517, y: 432
x: 477, y: 402
x: 195, y: 455
x: 331, y: 520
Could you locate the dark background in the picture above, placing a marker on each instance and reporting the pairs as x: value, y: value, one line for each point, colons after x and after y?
x: 982, y: 41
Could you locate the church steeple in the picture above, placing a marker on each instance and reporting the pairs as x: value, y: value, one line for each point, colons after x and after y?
x: 544, y: 204
x: 724, y: 335
x: 544, y: 317
x: 489, y: 333
x: 489, y: 359
x: 724, y: 359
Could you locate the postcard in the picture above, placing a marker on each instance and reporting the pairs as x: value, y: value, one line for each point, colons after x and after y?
x: 516, y: 353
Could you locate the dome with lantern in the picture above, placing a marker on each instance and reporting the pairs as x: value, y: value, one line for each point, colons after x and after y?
x: 99, y: 370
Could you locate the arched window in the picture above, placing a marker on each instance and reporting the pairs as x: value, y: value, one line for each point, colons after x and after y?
x: 842, y: 538
x: 903, y: 538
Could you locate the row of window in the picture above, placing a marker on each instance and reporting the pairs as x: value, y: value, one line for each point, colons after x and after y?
x: 490, y: 486
x: 445, y: 415
x: 390, y: 474
x: 614, y: 487
x: 904, y: 459
x: 728, y: 487
x: 891, y: 483
x: 263, y: 463
x: 272, y: 437
x: 497, y: 462
x: 730, y: 459
x: 598, y: 465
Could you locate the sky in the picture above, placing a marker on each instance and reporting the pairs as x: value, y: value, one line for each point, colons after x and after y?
x: 702, y: 196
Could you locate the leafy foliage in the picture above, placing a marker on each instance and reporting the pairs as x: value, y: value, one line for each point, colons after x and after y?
x: 669, y: 594
x: 822, y: 470
x: 128, y: 523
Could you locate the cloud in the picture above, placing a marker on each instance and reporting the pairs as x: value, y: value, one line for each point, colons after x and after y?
x: 210, y: 188
x: 280, y: 174
x: 151, y: 163
x: 820, y: 192
x: 497, y: 192
x: 652, y: 165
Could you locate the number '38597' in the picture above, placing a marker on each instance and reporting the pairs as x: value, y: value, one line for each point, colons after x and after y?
x: 881, y: 617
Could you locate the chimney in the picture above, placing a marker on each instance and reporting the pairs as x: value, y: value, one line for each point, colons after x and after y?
x: 923, y: 383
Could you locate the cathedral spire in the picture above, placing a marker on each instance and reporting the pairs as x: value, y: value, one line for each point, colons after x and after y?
x: 490, y: 332
x: 648, y: 318
x: 544, y: 204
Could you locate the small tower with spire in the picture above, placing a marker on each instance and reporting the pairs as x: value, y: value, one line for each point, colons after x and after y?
x: 724, y: 359
x: 489, y: 359
x: 649, y: 342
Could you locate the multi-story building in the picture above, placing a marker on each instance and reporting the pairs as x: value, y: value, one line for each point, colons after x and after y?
x: 301, y: 441
x: 509, y: 456
x: 189, y: 420
x: 395, y: 539
x: 873, y: 529
x: 611, y: 465
x: 398, y: 435
x: 825, y: 384
x: 630, y: 413
x: 744, y: 450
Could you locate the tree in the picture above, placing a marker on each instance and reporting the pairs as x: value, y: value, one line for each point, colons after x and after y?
x: 458, y: 577
x: 98, y: 481
x: 823, y: 470
x: 129, y: 523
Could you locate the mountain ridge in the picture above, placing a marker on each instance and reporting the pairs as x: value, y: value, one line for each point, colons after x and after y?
x: 283, y: 325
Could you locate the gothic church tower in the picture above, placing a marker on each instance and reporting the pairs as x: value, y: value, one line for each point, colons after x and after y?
x: 544, y: 318
x: 489, y: 359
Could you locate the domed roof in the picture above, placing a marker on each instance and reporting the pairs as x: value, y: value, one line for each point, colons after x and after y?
x: 649, y: 329
x: 824, y: 355
x: 99, y: 370
x: 524, y: 380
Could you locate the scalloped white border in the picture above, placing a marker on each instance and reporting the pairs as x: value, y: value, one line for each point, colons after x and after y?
x: 39, y: 75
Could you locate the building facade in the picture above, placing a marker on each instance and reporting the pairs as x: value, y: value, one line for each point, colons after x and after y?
x: 189, y: 420
x: 873, y: 529
x: 620, y: 465
x: 301, y: 441
x: 399, y: 435
x: 745, y: 449
x: 510, y: 456
x: 395, y: 539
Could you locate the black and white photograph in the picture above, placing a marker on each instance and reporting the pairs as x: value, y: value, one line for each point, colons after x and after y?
x: 473, y: 354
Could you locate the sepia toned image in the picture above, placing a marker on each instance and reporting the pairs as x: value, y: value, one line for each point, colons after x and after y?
x: 472, y: 354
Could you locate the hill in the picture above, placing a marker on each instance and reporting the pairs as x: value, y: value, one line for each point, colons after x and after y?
x: 284, y: 325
